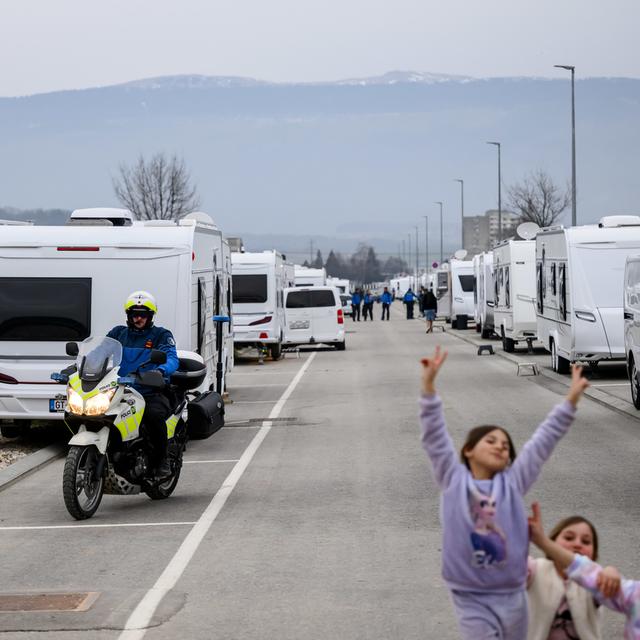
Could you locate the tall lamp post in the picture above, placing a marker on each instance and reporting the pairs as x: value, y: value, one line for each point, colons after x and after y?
x: 574, y: 215
x: 497, y: 144
x: 426, y: 243
x: 409, y: 252
x: 461, y: 181
x: 441, y: 252
x: 417, y: 256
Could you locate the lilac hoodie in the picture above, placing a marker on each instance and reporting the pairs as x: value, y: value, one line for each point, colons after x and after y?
x: 485, y: 535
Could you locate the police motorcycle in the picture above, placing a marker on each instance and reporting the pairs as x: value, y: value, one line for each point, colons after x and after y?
x: 110, y: 451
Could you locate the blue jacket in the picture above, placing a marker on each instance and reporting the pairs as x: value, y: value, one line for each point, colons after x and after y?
x: 136, y: 350
x: 356, y: 299
x: 368, y: 299
x: 409, y: 297
x: 386, y: 297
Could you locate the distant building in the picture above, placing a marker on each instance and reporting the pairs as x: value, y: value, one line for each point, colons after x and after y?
x: 481, y: 232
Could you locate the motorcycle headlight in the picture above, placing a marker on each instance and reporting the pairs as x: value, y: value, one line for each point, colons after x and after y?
x: 98, y: 404
x: 74, y: 402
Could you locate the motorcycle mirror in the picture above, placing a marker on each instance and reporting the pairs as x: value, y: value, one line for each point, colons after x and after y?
x: 153, y: 379
x: 157, y: 357
x: 72, y: 349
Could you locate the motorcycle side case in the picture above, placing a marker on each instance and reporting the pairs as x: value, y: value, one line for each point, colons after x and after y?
x: 205, y: 415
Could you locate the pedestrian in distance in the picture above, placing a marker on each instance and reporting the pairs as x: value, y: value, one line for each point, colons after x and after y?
x: 386, y: 298
x: 485, y: 534
x: 430, y: 306
x: 420, y: 300
x: 409, y: 300
x: 591, y: 576
x: 559, y: 608
x: 367, y: 306
x: 356, y: 301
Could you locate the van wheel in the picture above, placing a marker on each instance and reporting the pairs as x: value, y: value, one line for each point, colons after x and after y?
x: 635, y: 385
x: 479, y: 328
x: 341, y: 346
x: 16, y: 430
x: 508, y: 344
x: 453, y: 324
x: 558, y: 363
x: 486, y: 333
x: 276, y: 351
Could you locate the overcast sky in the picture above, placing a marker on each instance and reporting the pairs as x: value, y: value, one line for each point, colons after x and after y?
x: 63, y: 44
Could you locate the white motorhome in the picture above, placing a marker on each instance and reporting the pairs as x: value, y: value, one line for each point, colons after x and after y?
x: 443, y: 290
x: 308, y: 277
x: 402, y: 284
x: 514, y: 278
x: 66, y: 283
x: 460, y: 292
x: 259, y: 280
x: 341, y: 284
x: 483, y: 293
x: 580, y: 281
x: 632, y: 325
x: 314, y: 315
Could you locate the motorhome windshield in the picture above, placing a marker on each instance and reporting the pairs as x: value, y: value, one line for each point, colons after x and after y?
x: 466, y: 282
x: 603, y: 270
x: 249, y: 288
x: 308, y: 299
x: 45, y: 309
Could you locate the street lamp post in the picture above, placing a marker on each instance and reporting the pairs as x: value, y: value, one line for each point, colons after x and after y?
x: 417, y: 256
x: 574, y: 215
x: 461, y: 181
x: 441, y: 252
x: 497, y: 144
x: 426, y: 243
x: 409, y: 252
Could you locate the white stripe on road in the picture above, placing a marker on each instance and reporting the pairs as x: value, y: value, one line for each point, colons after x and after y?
x: 97, y: 526
x: 141, y: 617
x: 207, y: 461
x: 613, y: 384
x: 254, y: 401
x: 253, y: 386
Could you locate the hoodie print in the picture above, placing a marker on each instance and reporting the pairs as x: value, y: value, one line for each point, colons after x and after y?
x: 487, y: 538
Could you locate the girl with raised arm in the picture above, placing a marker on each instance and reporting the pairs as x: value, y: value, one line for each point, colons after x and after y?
x: 485, y: 531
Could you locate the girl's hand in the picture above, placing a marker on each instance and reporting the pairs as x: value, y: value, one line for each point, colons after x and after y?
x: 608, y: 582
x: 578, y: 385
x: 430, y: 368
x: 536, y: 530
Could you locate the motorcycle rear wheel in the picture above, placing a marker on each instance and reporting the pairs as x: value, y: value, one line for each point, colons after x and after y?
x: 163, y: 490
x: 81, y: 491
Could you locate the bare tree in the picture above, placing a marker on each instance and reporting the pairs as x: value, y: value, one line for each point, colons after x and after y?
x: 538, y: 199
x: 156, y: 189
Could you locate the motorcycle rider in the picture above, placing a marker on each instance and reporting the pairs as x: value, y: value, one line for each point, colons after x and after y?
x: 138, y: 338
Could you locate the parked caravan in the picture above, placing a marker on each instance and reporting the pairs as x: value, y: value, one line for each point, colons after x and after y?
x: 483, y: 293
x: 632, y: 325
x: 308, y: 277
x: 259, y: 280
x: 341, y: 284
x: 314, y: 315
x: 580, y: 283
x: 443, y: 291
x: 460, y: 292
x: 514, y: 279
x: 401, y: 284
x: 66, y: 283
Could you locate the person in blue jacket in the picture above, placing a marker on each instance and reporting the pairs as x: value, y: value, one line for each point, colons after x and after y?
x: 386, y: 298
x: 367, y: 306
x: 356, y: 301
x: 138, y: 338
x: 409, y: 300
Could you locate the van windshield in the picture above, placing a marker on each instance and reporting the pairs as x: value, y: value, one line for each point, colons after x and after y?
x: 308, y: 299
x: 45, y: 309
x: 249, y: 288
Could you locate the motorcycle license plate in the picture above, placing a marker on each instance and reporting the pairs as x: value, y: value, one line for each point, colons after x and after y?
x: 57, y: 406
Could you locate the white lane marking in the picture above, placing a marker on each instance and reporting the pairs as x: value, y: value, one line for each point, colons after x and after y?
x: 136, y: 626
x: 97, y: 526
x: 260, y: 372
x: 243, y: 426
x: 253, y: 386
x: 254, y: 401
x: 613, y: 384
x: 207, y: 461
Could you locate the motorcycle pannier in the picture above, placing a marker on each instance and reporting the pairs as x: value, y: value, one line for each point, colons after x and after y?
x: 205, y: 415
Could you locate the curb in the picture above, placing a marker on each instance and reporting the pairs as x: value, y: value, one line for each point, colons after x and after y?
x: 601, y: 397
x: 30, y: 464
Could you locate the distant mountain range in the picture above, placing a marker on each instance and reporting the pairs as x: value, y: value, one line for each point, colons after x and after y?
x: 353, y: 159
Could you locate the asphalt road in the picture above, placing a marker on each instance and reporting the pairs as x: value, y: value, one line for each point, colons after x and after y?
x: 330, y: 526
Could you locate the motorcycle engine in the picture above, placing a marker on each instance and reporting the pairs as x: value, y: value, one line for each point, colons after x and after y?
x: 140, y: 465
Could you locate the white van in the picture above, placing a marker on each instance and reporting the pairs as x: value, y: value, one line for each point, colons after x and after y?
x: 314, y: 315
x: 259, y: 281
x: 460, y: 292
x: 66, y: 283
x: 632, y: 325
x: 483, y: 293
x: 308, y: 277
x: 341, y: 284
x: 514, y: 275
x: 580, y: 282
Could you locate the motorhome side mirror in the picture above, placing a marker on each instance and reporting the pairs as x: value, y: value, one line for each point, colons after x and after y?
x: 72, y: 349
x: 158, y: 357
x: 153, y: 379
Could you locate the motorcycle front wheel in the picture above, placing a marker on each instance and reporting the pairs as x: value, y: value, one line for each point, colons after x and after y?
x: 82, y: 491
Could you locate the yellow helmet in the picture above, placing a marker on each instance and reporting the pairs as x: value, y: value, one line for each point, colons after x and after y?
x: 141, y: 300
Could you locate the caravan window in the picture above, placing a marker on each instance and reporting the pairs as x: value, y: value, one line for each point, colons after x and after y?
x: 466, y: 282
x: 202, y: 314
x: 216, y: 304
x: 309, y: 299
x: 563, y: 292
x: 554, y: 284
x: 539, y: 301
x: 250, y: 288
x: 507, y: 288
x: 45, y: 309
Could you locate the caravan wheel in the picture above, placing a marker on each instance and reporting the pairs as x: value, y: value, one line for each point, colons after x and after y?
x: 635, y: 385
x: 558, y: 363
x: 275, y: 350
